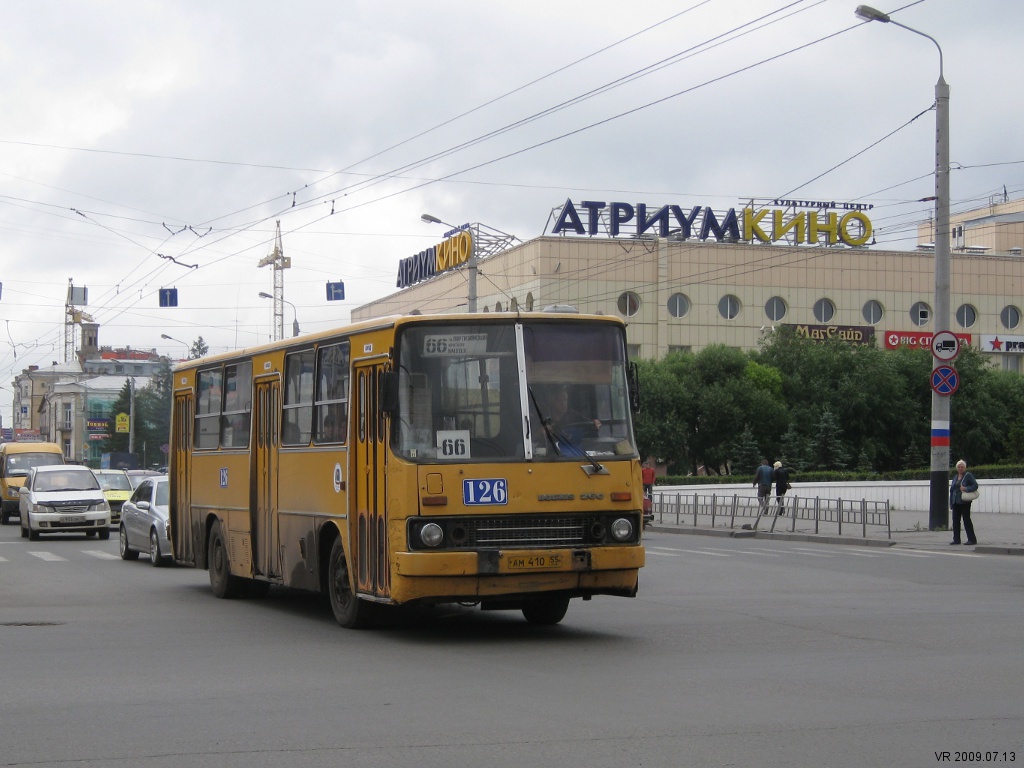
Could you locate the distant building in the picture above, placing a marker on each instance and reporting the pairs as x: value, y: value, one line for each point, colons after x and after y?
x: 684, y: 277
x: 71, y: 403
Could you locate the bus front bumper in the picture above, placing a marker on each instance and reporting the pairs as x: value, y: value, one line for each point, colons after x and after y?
x: 489, y: 573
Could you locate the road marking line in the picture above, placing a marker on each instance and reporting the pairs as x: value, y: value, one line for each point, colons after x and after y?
x: 743, y: 552
x: 101, y: 554
x: 49, y: 557
x: 944, y: 554
x: 907, y: 554
x: 704, y: 552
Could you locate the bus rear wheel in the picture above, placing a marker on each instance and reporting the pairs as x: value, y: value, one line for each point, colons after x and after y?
x: 547, y: 611
x: 222, y: 583
x: 349, y: 610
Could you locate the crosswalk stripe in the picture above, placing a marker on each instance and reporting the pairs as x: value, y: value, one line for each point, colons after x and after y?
x: 49, y: 557
x: 101, y: 554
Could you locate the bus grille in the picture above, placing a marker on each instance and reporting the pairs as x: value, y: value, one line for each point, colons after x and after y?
x: 561, y: 531
x: 521, y: 531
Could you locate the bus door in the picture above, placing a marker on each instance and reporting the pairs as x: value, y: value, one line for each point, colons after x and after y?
x: 263, y: 498
x: 368, y: 531
x: 186, y: 539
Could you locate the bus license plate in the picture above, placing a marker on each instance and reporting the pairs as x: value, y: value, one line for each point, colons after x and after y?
x: 72, y: 518
x: 532, y: 562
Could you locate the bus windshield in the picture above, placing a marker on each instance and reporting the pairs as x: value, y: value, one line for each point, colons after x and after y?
x: 534, y: 390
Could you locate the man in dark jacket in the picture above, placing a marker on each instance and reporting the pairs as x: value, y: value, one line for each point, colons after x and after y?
x: 763, y: 480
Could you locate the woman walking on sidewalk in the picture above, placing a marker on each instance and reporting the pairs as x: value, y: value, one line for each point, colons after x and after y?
x: 964, y: 482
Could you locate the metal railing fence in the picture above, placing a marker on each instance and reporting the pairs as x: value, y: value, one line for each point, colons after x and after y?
x: 810, y: 515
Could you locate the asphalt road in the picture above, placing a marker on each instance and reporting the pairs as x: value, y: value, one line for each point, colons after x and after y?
x: 738, y: 652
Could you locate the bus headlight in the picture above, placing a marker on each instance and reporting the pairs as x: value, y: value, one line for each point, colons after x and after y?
x: 431, y: 534
x: 622, y: 529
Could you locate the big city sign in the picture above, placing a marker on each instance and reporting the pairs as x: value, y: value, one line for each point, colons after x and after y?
x: 917, y: 339
x: 823, y: 226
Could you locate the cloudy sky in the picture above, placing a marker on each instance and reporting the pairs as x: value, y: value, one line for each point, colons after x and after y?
x: 155, y: 144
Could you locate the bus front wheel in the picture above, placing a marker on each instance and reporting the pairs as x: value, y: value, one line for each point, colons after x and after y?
x: 547, y: 611
x: 222, y: 582
x: 349, y: 610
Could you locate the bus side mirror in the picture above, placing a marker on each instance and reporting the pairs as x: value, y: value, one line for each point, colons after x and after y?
x: 634, y: 388
x: 388, y: 395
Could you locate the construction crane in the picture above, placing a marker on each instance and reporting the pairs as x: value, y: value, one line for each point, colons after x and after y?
x: 280, y: 262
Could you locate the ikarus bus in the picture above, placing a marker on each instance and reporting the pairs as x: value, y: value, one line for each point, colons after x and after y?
x: 481, y: 459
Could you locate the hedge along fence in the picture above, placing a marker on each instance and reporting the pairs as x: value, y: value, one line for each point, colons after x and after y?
x: 988, y: 472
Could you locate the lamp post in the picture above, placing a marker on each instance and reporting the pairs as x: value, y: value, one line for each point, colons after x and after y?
x: 295, y: 312
x: 171, y: 338
x: 938, y: 508
x: 471, y: 264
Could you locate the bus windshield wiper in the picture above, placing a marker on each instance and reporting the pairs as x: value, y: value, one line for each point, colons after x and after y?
x: 544, y: 422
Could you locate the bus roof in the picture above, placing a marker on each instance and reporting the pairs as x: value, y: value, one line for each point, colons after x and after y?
x: 393, y: 321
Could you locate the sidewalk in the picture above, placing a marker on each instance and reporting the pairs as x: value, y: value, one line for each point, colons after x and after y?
x: 1000, y: 533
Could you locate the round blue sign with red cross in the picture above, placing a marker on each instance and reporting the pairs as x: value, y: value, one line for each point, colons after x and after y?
x: 945, y: 379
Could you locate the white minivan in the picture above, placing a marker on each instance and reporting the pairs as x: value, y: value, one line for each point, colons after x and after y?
x: 65, y: 498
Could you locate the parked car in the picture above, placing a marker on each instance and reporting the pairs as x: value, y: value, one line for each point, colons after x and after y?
x: 144, y: 521
x: 136, y: 476
x: 63, y: 499
x: 117, y: 488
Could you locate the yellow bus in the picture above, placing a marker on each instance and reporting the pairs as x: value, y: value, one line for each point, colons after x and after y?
x: 421, y: 459
x: 16, y: 459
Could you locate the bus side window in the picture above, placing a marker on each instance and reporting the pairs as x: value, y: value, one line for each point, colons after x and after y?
x: 331, y: 404
x: 208, y: 400
x: 297, y: 419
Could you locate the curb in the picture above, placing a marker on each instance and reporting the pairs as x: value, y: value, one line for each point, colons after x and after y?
x: 991, y: 550
x: 734, y: 533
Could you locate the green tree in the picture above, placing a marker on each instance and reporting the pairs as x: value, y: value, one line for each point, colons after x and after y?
x: 199, y: 349
x: 660, y: 424
x: 828, y: 449
x: 746, y: 456
x: 152, y: 420
x: 796, y: 449
x: 879, y: 399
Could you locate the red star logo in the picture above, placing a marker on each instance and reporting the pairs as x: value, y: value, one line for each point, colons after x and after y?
x: 997, y: 344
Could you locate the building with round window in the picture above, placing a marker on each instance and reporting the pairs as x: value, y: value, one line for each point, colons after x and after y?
x: 685, y: 278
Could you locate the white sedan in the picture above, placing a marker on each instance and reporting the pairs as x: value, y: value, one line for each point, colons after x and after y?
x: 63, y: 498
x: 144, y: 522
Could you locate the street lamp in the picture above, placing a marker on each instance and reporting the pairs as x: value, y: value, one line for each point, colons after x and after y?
x: 171, y: 338
x: 471, y: 264
x: 938, y: 509
x: 295, y: 312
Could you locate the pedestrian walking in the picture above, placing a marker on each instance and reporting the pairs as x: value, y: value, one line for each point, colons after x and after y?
x: 962, y: 492
x: 781, y: 477
x: 763, y: 480
x: 647, y: 476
